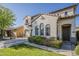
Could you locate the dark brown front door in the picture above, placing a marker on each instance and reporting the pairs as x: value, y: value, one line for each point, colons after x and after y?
x: 66, y: 30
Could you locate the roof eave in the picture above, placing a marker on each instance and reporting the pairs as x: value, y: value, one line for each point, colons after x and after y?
x: 76, y: 15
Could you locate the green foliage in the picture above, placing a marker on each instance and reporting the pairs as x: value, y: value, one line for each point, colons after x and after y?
x: 77, y: 50
x: 6, y: 18
x: 36, y: 39
x: 25, y: 50
x: 53, y: 43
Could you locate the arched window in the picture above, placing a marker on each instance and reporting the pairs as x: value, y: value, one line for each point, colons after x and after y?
x: 47, y: 28
x: 36, y: 30
x: 41, y: 29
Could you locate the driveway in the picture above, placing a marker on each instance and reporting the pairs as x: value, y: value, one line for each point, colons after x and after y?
x: 7, y: 43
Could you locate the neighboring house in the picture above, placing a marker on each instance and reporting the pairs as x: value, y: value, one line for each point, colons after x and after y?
x: 10, y: 32
x: 18, y: 32
x: 23, y: 31
x: 59, y: 24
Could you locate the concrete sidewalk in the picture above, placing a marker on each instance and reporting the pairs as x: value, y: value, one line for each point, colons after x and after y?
x: 60, y: 51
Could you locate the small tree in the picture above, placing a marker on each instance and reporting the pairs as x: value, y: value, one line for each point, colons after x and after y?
x: 6, y: 19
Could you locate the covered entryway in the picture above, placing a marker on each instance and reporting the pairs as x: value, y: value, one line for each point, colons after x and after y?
x: 66, y: 32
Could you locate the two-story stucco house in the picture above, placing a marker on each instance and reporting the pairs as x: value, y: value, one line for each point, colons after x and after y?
x: 59, y: 24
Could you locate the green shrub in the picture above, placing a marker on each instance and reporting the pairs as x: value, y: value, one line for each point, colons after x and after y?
x: 53, y: 43
x: 77, y: 50
x: 31, y: 39
x: 36, y: 39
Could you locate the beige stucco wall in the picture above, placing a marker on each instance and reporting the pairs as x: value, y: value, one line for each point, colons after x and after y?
x: 27, y: 28
x: 47, y: 20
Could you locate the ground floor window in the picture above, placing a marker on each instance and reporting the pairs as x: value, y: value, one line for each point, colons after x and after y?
x: 41, y: 29
x: 36, y: 30
x: 47, y: 30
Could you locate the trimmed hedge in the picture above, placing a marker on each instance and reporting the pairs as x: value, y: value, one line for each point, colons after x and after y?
x: 53, y: 43
x: 36, y: 39
x: 47, y: 42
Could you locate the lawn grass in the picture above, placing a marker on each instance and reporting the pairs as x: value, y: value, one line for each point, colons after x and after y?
x: 25, y: 50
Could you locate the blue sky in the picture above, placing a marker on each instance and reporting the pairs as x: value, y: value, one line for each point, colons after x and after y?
x: 29, y: 9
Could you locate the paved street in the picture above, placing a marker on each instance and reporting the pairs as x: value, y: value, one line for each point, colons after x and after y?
x: 7, y: 43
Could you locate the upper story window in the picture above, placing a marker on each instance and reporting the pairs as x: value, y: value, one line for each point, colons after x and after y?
x: 41, y: 29
x: 66, y: 13
x: 26, y: 22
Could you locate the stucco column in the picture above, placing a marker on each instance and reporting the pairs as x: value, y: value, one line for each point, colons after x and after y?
x: 73, y: 32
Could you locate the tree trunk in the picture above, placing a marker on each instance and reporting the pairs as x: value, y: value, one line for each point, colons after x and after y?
x: 2, y: 34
